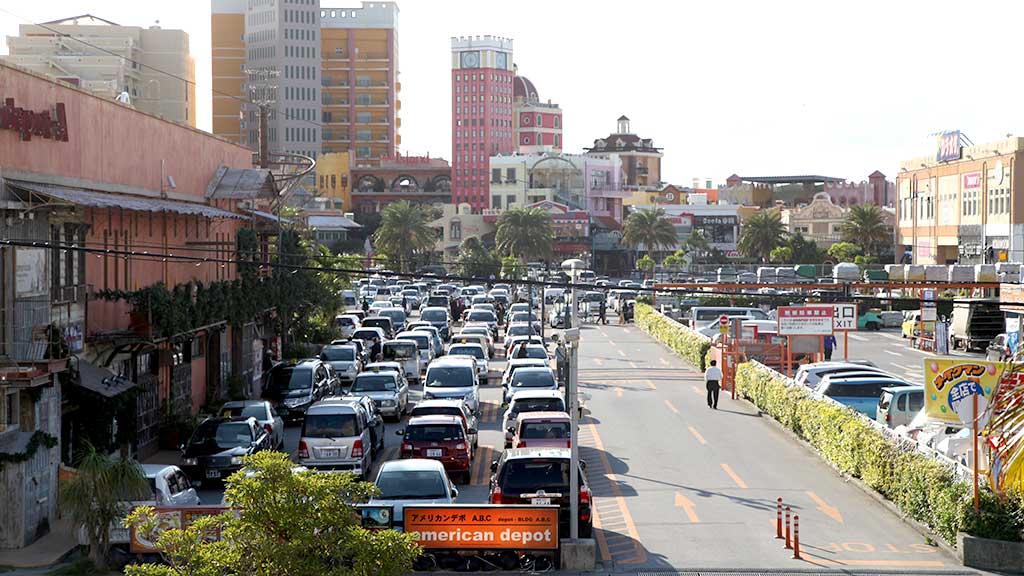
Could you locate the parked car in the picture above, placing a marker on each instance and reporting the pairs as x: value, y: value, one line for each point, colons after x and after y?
x: 811, y: 374
x: 475, y: 351
x: 170, y: 485
x: 897, y: 406
x: 540, y: 476
x: 344, y: 359
x: 527, y: 401
x: 453, y: 378
x: 911, y: 321
x: 387, y: 389
x: 292, y: 388
x: 859, y: 393
x: 450, y: 408
x: 701, y: 315
x: 406, y: 353
x: 532, y: 377
x: 541, y: 430
x: 264, y: 413
x: 217, y: 446
x: 418, y: 481
x: 443, y: 438
x: 336, y: 436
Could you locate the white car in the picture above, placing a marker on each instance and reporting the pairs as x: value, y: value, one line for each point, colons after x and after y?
x: 529, y: 401
x: 170, y: 486
x: 412, y: 481
x: 810, y: 375
x: 515, y: 363
x: 518, y: 329
x: 530, y: 378
x: 475, y: 351
x: 264, y: 413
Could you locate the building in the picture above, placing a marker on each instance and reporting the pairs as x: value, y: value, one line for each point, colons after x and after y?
x: 332, y: 179
x: 417, y: 179
x: 961, y: 204
x: 329, y: 227
x: 457, y: 223
x: 482, y: 113
x: 144, y: 63
x: 875, y: 190
x: 822, y: 219
x: 359, y: 78
x: 640, y: 160
x: 69, y: 343
x: 719, y: 224
x: 537, y: 124
x: 227, y: 52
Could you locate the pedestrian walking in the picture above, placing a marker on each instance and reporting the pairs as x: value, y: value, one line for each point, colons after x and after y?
x: 713, y: 381
x: 366, y: 306
x: 602, y: 313
x: 375, y: 350
x: 830, y: 344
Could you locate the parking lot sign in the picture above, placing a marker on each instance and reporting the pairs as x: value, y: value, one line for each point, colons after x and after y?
x: 844, y: 316
x: 805, y: 320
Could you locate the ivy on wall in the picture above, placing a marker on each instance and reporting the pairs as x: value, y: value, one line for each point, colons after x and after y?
x: 39, y: 438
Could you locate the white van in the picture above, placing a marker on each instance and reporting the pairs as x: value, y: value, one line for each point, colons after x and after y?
x: 453, y: 378
x: 700, y: 315
x: 406, y: 353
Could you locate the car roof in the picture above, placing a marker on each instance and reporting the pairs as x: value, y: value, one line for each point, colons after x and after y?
x: 546, y: 415
x: 332, y: 405
x: 243, y: 403
x: 832, y: 365
x: 400, y: 341
x: 154, y: 470
x: 474, y: 344
x: 531, y: 362
x: 412, y: 465
x: 868, y: 380
x: 458, y: 403
x: 912, y: 388
x: 535, y: 394
x: 408, y: 334
x: 519, y: 453
x: 345, y: 345
x: 382, y: 367
x: 533, y: 369
x: 444, y: 361
x: 434, y: 419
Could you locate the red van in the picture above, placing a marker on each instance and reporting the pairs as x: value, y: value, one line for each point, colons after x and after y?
x: 439, y: 437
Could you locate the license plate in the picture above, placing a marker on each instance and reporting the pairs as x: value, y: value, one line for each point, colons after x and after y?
x: 540, y: 501
x: 213, y: 473
x: 434, y: 453
x: 329, y: 453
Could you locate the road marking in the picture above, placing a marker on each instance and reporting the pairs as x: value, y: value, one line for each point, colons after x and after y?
x: 622, y: 352
x: 687, y: 505
x: 480, y: 470
x: 859, y: 337
x: 633, y: 365
x: 735, y: 477
x: 651, y: 385
x: 627, y: 330
x: 698, y: 390
x: 810, y: 558
x: 830, y: 511
x: 671, y: 407
x: 697, y: 435
x: 663, y: 361
x: 892, y: 353
x: 598, y: 361
x: 618, y: 392
x: 612, y: 342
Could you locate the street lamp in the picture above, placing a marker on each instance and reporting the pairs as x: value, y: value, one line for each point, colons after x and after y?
x: 572, y: 335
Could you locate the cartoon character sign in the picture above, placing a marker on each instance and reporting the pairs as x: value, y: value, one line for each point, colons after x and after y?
x: 951, y: 385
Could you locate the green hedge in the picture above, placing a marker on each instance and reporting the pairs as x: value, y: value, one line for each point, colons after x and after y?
x: 922, y: 488
x: 683, y: 341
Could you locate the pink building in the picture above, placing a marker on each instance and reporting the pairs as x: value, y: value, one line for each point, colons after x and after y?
x: 536, y: 123
x: 482, y: 118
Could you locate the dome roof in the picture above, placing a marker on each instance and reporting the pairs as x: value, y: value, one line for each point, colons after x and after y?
x: 523, y: 88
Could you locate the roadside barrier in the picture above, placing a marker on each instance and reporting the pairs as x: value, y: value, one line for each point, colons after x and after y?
x: 788, y: 544
x: 796, y: 537
x: 778, y: 519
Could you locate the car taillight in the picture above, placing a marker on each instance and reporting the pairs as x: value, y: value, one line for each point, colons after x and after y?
x: 357, y: 449
x: 496, y: 496
x: 268, y: 428
x: 888, y: 417
x: 568, y: 443
x: 584, y: 495
x: 406, y: 447
x: 303, y: 449
x: 521, y: 444
x: 460, y: 446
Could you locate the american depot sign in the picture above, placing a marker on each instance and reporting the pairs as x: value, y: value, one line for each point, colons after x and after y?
x: 28, y: 123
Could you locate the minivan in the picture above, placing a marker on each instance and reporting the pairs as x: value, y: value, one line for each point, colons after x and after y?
x: 424, y: 344
x: 336, y: 436
x: 700, y: 315
x: 406, y: 353
x: 382, y: 322
x: 397, y: 316
x: 860, y: 394
x: 449, y: 378
x: 897, y: 406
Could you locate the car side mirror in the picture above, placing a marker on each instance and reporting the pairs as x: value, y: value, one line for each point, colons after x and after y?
x: 471, y: 431
x: 400, y: 432
x: 583, y: 464
x: 494, y: 466
x: 455, y: 492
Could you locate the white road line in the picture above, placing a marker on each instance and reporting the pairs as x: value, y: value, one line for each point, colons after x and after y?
x: 859, y: 338
x: 891, y: 353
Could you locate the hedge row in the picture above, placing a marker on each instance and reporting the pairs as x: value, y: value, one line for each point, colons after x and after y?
x: 922, y: 488
x: 687, y: 343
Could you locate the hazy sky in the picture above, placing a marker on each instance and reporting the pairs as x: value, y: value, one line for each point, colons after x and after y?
x: 754, y: 87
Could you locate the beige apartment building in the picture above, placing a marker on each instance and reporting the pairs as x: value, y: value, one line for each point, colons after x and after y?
x: 227, y: 46
x: 117, y: 60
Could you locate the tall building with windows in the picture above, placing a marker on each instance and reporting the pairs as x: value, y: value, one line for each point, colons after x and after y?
x: 482, y: 113
x: 538, y: 125
x: 227, y: 52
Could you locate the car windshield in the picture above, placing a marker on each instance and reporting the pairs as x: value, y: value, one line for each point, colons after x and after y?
x: 411, y: 484
x: 476, y: 330
x: 257, y: 411
x: 223, y: 434
x: 339, y: 354
x: 533, y: 379
x: 535, y: 352
x: 374, y: 383
x: 520, y: 330
x: 437, y: 410
x: 474, y: 351
x: 544, y: 430
x: 395, y: 315
x: 530, y: 475
x: 422, y: 342
x: 288, y: 378
x: 329, y: 426
x: 399, y: 351
x: 523, y: 317
x: 434, y: 315
x: 481, y: 316
x: 434, y: 433
x: 384, y: 323
x: 449, y: 377
x: 538, y: 405
x: 344, y: 321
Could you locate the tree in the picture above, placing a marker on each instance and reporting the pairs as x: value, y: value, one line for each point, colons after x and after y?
x: 675, y: 261
x: 284, y: 522
x: 524, y: 233
x: 97, y: 496
x: 781, y: 255
x: 844, y: 251
x: 476, y: 260
x: 405, y: 233
x: 865, y: 225
x: 697, y: 245
x: 511, y: 268
x: 804, y: 251
x: 645, y: 264
x: 761, y: 233
x: 649, y: 228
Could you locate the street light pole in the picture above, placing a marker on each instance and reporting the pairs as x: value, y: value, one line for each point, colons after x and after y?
x: 572, y: 336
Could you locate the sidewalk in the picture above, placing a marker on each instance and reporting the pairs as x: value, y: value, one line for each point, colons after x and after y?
x: 46, y: 551
x: 164, y: 457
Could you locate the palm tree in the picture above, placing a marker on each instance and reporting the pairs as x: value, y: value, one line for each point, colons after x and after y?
x: 97, y: 495
x: 865, y: 225
x: 524, y: 233
x: 404, y: 233
x: 649, y: 228
x: 761, y: 233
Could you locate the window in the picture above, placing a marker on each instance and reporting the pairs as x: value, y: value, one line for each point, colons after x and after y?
x: 510, y: 174
x: 364, y: 135
x: 558, y: 121
x: 364, y: 117
x: 495, y: 175
x: 496, y: 202
x: 540, y: 120
x: 455, y: 230
x: 9, y: 409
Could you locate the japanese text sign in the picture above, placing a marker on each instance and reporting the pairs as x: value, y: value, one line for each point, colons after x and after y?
x: 950, y: 383
x: 805, y: 320
x: 844, y: 316
x: 484, y: 527
x: 169, y: 518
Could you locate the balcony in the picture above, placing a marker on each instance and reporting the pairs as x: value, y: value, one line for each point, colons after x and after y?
x: 610, y: 193
x: 335, y: 85
x: 372, y: 56
x: 374, y: 121
x: 335, y: 103
x: 372, y: 85
x: 372, y: 103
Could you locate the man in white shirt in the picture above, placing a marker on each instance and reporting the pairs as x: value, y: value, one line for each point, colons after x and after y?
x: 713, y: 380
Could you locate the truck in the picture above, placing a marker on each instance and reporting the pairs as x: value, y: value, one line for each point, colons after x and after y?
x: 975, y: 322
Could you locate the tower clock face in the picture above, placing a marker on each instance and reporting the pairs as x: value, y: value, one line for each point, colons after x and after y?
x: 470, y: 59
x: 501, y: 61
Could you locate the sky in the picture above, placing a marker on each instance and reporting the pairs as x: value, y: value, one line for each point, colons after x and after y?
x: 753, y: 87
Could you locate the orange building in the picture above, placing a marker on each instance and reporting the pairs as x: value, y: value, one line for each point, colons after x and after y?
x: 227, y: 30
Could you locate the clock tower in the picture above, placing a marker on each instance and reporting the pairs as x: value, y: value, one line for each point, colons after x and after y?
x: 482, y: 108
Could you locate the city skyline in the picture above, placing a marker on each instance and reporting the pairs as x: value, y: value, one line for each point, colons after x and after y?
x: 776, y: 91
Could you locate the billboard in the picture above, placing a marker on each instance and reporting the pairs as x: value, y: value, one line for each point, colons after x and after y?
x: 168, y: 518
x: 484, y: 527
x: 844, y: 317
x: 951, y: 382
x: 948, y: 146
x: 805, y: 320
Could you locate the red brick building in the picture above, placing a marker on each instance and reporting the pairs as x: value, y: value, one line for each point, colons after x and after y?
x: 418, y: 179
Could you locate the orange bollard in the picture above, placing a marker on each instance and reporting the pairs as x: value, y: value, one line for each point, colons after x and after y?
x: 778, y: 519
x: 796, y: 537
x: 788, y: 545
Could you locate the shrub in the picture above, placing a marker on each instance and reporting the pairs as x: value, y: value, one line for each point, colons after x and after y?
x: 922, y: 488
x: 689, y: 344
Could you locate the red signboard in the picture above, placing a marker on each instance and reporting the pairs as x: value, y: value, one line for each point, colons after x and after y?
x: 972, y: 180
x: 28, y: 123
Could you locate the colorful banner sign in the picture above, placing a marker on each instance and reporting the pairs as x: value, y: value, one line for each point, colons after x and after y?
x: 484, y: 527
x: 950, y: 384
x: 169, y: 518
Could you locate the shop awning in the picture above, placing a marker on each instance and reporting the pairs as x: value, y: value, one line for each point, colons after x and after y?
x: 101, y: 381
x: 606, y: 222
x: 82, y: 197
x: 267, y: 216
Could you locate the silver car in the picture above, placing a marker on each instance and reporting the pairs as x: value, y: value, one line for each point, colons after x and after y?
x: 336, y: 436
x: 412, y: 481
x: 386, y: 388
x: 345, y: 361
x: 265, y: 415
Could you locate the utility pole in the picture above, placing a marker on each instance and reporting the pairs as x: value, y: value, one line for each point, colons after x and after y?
x: 572, y: 337
x: 262, y: 90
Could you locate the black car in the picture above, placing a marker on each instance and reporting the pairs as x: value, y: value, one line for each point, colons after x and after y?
x: 540, y: 476
x: 217, y: 446
x: 295, y: 387
x: 382, y: 322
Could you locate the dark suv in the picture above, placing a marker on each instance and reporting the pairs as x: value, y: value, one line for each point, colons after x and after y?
x: 217, y: 446
x: 295, y: 387
x: 540, y: 476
